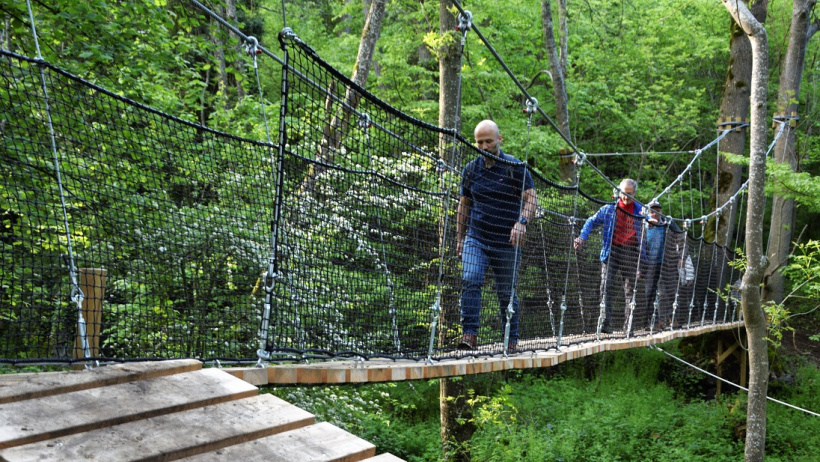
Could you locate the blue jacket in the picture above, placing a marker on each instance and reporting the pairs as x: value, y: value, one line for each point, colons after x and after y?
x: 605, y: 217
x: 655, y: 243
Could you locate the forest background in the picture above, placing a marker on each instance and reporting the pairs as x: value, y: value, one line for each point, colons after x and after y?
x: 641, y: 77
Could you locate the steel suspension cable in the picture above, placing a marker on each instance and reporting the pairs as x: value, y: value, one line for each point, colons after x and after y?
x: 737, y: 240
x: 717, y: 230
x: 633, y: 303
x: 527, y: 96
x: 683, y: 256
x: 235, y: 30
x: 77, y: 295
x: 273, y: 262
x: 656, y: 302
x: 532, y: 105
x: 547, y: 276
x: 572, y: 251
x: 698, y: 153
x: 730, y: 383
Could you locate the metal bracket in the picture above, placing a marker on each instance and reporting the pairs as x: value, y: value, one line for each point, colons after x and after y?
x: 465, y: 21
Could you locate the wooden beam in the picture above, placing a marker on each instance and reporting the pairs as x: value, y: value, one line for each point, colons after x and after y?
x: 92, y: 283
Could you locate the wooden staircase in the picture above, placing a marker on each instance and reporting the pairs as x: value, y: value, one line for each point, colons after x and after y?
x: 160, y: 411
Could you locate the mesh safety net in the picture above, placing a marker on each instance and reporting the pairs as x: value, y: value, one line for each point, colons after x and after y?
x: 341, y: 240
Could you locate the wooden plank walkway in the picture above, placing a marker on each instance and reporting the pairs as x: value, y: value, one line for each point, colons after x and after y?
x: 161, y: 411
x: 341, y: 372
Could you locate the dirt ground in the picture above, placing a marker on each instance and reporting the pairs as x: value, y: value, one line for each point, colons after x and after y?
x: 797, y: 343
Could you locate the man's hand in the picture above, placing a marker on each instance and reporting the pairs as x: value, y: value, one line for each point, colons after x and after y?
x: 518, y: 234
x: 578, y: 243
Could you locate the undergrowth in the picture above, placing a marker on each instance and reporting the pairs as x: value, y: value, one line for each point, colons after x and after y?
x: 621, y: 406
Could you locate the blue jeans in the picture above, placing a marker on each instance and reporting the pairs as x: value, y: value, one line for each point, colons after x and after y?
x: 475, y: 257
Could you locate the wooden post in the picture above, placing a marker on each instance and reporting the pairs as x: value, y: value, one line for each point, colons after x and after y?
x: 92, y: 283
x: 722, y: 355
x: 719, y: 368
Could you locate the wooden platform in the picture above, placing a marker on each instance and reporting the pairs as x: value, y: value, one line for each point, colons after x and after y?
x: 340, y: 372
x: 161, y: 411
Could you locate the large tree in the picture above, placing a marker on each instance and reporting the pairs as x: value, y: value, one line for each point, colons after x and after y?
x: 754, y: 317
x: 456, y: 422
x: 334, y: 132
x: 558, y: 68
x: 803, y: 27
x: 734, y: 106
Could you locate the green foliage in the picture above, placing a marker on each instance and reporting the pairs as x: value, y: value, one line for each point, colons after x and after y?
x: 606, y: 407
x: 396, y: 417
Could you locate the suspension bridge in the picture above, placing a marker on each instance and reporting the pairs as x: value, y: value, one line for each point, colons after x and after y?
x: 328, y: 255
x: 166, y: 239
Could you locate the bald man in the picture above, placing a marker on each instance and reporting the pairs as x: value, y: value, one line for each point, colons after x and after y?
x: 497, y: 202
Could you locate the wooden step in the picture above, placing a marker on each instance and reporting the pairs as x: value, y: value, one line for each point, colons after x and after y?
x: 18, y: 387
x: 322, y: 442
x: 386, y: 457
x: 172, y: 436
x: 49, y: 417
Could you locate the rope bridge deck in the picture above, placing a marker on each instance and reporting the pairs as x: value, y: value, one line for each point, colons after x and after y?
x: 384, y: 370
x: 128, y: 234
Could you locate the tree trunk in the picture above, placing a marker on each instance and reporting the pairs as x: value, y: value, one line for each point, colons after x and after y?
x: 788, y: 94
x: 238, y: 63
x: 563, y: 35
x: 456, y: 417
x: 754, y: 316
x: 4, y: 37
x: 559, y: 88
x: 219, y: 55
x: 336, y: 129
x: 734, y: 106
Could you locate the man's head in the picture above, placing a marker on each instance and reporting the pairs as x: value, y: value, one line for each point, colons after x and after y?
x: 654, y: 209
x: 628, y: 188
x: 487, y: 136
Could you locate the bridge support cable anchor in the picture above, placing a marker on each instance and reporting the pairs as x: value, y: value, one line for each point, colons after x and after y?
x: 364, y: 124
x: 77, y: 295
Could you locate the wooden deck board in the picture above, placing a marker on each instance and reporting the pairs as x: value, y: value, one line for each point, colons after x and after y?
x: 18, y: 387
x: 379, y: 370
x: 172, y: 436
x: 48, y: 417
x: 386, y: 457
x: 322, y: 442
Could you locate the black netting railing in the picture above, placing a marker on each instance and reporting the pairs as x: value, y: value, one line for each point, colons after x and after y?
x: 178, y: 217
x: 179, y: 251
